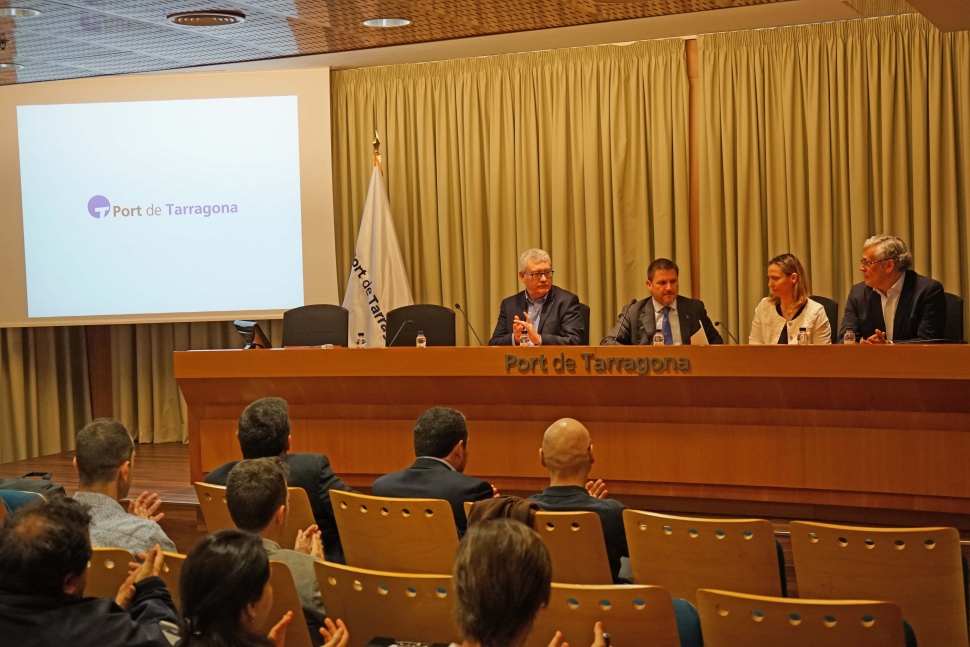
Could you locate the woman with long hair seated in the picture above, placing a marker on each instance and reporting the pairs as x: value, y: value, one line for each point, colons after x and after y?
x: 503, y: 576
x: 778, y: 317
x: 227, y: 595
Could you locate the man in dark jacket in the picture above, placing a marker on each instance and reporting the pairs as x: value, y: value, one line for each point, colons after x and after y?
x: 264, y: 432
x: 44, y: 553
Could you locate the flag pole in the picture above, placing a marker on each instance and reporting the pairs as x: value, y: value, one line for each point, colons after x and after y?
x: 377, y: 152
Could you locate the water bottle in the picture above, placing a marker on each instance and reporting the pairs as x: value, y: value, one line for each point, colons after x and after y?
x: 361, y: 342
x: 524, y: 339
x: 802, y: 337
x: 421, y: 341
x: 849, y: 336
x: 658, y: 338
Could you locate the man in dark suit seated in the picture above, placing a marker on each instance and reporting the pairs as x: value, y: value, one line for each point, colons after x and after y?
x: 548, y: 314
x: 893, y: 302
x: 264, y: 432
x: 441, y: 445
x: 567, y: 452
x: 677, y: 317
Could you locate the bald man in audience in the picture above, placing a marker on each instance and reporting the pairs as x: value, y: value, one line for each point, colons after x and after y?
x: 567, y: 452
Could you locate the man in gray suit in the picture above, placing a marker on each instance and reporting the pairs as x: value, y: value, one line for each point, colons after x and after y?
x: 677, y: 317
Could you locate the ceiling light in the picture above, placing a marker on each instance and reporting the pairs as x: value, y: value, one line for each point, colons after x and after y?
x: 10, y: 67
x: 15, y: 12
x: 387, y: 23
x: 213, y: 18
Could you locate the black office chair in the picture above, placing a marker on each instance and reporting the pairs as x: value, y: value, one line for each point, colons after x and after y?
x: 831, y: 311
x: 437, y: 322
x: 954, y: 317
x: 584, y: 311
x: 315, y: 325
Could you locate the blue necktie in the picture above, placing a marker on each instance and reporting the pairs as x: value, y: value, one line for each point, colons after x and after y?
x: 665, y: 328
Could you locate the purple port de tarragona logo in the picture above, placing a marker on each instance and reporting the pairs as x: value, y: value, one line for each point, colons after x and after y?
x: 98, y: 206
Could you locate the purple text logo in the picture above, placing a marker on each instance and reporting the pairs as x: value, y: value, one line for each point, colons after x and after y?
x: 98, y: 206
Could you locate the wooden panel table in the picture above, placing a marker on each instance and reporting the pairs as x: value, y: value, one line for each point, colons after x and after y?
x: 878, y: 427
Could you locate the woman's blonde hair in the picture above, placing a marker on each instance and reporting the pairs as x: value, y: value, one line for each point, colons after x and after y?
x: 802, y: 289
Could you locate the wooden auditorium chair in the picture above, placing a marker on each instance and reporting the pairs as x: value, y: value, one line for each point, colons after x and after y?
x: 683, y: 554
x: 107, y: 571
x: 285, y: 598
x: 215, y: 511
x: 397, y: 535
x: 919, y: 569
x: 171, y: 570
x: 404, y: 606
x: 741, y: 620
x: 576, y: 546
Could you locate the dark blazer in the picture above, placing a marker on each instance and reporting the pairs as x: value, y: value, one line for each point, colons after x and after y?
x: 920, y: 313
x: 428, y: 478
x: 313, y: 473
x: 560, y: 324
x: 641, y: 317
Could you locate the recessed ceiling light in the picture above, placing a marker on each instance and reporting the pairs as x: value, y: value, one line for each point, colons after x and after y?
x: 387, y: 23
x: 15, y: 12
x: 213, y: 18
x: 10, y: 67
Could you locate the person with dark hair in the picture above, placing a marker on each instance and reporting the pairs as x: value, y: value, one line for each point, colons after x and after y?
x: 677, y: 317
x: 258, y: 502
x: 893, y: 302
x: 44, y: 553
x: 503, y: 577
x: 441, y: 447
x: 227, y: 595
x: 779, y: 317
x: 104, y: 460
x: 547, y: 314
x: 264, y: 432
x: 567, y: 452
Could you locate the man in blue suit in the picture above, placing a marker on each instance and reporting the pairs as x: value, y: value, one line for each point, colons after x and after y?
x: 549, y: 315
x: 893, y: 302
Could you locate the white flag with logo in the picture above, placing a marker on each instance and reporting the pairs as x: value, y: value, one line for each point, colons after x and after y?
x: 378, y: 282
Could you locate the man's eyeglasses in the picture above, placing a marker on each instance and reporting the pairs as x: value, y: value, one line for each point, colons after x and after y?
x: 538, y: 275
x: 866, y: 263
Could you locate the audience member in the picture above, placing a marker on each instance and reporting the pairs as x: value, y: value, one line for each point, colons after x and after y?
x: 104, y: 459
x: 567, y: 452
x: 264, y: 432
x: 893, y: 302
x: 677, y: 317
x: 226, y: 595
x: 441, y: 447
x: 548, y: 314
x: 502, y: 578
x: 778, y: 318
x: 44, y: 553
x: 258, y: 502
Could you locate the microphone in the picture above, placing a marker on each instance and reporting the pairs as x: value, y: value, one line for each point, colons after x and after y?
x: 622, y: 317
x: 718, y: 323
x: 470, y: 327
x: 400, y: 328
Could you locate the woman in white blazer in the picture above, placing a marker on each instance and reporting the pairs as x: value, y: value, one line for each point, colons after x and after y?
x: 778, y: 317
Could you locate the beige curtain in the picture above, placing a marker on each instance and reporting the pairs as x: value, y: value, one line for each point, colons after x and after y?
x: 44, y: 396
x: 815, y: 138
x: 582, y: 152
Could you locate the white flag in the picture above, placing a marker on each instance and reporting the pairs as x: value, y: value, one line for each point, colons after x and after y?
x: 378, y: 282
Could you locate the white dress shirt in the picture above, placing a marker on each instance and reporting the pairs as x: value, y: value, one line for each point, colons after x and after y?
x: 890, y: 299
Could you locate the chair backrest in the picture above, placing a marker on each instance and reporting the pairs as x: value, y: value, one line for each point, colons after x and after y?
x: 683, y: 554
x: 633, y: 615
x: 212, y: 500
x: 397, y: 535
x: 437, y: 322
x: 740, y: 620
x: 107, y: 571
x: 3, y: 511
x: 405, y: 606
x: 171, y: 570
x: 315, y: 325
x: 831, y: 311
x: 286, y: 598
x: 584, y: 312
x: 576, y: 546
x: 954, y: 317
x: 918, y: 569
x: 299, y: 516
